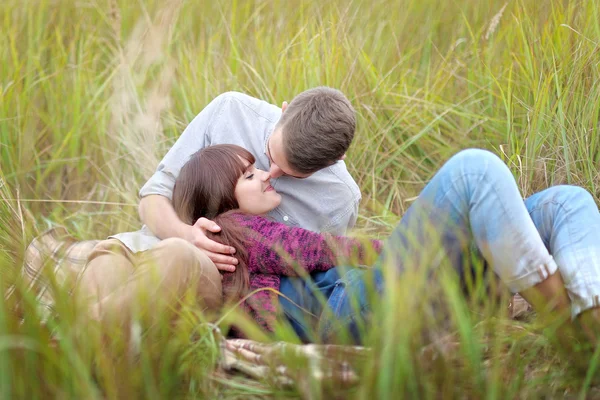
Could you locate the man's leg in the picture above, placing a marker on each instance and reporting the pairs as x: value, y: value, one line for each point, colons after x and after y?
x: 474, y: 199
x: 178, y: 266
x: 117, y: 282
x: 109, y: 266
x: 569, y: 223
x: 349, y: 305
x: 302, y: 300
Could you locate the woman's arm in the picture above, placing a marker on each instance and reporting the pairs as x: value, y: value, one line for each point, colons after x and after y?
x: 276, y: 248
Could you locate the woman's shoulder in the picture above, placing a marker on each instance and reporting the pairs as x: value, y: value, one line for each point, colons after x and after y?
x: 264, y: 226
x: 243, y: 218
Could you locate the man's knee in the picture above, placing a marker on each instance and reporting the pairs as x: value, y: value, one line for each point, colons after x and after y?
x: 474, y: 166
x: 476, y: 161
x: 574, y: 194
x: 567, y: 196
x: 108, y: 266
x: 111, y: 247
x: 193, y: 267
x: 184, y: 254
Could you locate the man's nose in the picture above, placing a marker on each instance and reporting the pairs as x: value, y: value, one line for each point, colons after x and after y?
x: 275, y: 171
x: 266, y: 175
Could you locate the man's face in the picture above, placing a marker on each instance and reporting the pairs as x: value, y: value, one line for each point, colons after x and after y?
x: 279, y: 163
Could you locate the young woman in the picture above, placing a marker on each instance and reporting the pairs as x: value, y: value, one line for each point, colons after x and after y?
x: 472, y: 203
x: 221, y: 183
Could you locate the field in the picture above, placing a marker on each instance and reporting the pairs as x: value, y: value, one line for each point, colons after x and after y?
x: 93, y: 93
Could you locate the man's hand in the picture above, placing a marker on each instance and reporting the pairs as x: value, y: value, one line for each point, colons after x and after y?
x: 217, y: 252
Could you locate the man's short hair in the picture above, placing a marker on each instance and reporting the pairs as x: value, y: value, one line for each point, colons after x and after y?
x: 317, y: 128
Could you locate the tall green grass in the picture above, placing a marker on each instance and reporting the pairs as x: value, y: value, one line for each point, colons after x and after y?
x: 94, y: 93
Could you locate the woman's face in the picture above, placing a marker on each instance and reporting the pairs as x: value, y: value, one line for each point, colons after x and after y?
x: 254, y: 192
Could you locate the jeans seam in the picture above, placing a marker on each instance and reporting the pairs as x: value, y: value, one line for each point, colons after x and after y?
x: 339, y: 300
x: 577, y: 257
x: 538, y: 208
x: 325, y: 319
x: 526, y: 278
x: 494, y: 189
x: 566, y: 211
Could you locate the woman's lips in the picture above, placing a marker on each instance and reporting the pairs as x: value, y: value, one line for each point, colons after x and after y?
x: 269, y: 188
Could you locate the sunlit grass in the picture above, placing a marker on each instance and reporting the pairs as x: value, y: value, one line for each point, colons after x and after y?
x: 92, y: 94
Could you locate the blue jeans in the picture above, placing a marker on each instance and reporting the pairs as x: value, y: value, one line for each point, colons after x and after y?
x: 343, y: 291
x: 473, y: 202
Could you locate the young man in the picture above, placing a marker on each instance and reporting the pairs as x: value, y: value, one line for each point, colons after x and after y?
x: 302, y: 145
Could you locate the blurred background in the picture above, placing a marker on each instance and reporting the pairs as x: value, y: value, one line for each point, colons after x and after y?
x: 93, y: 94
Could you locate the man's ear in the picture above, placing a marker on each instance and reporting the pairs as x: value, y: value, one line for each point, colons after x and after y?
x: 283, y: 106
x: 343, y: 156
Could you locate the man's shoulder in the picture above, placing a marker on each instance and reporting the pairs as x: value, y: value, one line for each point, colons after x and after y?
x: 338, y: 174
x: 237, y: 95
x: 245, y: 102
x: 233, y: 95
x: 332, y: 188
x: 327, y: 201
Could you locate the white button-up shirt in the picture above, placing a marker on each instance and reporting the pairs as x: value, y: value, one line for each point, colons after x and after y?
x: 327, y: 201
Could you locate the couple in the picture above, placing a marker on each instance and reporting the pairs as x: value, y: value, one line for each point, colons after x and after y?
x: 265, y: 215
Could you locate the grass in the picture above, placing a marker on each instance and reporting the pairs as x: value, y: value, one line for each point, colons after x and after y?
x: 94, y: 93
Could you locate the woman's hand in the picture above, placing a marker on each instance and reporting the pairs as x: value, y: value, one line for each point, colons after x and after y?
x: 219, y: 253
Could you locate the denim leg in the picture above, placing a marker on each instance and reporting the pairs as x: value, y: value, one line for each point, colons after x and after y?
x: 301, y: 299
x: 568, y: 221
x: 349, y: 305
x: 472, y: 200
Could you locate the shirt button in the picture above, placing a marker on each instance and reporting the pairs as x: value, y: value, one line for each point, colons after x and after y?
x: 285, y: 218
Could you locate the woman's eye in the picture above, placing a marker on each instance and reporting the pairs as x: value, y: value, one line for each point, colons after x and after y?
x: 250, y: 176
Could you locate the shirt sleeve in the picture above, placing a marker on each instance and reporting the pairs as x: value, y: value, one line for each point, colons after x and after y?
x: 343, y: 217
x: 193, y: 138
x: 276, y: 248
x: 346, y: 220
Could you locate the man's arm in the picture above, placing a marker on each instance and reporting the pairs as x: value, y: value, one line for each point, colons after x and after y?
x: 158, y: 214
x: 156, y: 210
x: 194, y: 138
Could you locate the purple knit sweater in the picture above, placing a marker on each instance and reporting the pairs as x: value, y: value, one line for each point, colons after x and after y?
x: 275, y: 250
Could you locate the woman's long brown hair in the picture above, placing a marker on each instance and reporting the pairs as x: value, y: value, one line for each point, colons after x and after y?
x: 205, y: 187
